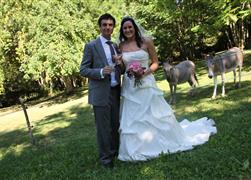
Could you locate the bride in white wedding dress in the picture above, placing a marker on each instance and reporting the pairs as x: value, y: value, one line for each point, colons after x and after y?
x: 148, y: 126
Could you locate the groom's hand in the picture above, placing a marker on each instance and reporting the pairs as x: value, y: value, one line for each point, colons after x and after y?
x: 107, y: 70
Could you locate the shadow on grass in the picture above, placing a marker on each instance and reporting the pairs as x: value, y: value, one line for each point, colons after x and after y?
x: 61, y: 153
x: 14, y: 138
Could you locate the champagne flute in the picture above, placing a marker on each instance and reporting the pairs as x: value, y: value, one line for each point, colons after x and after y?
x: 117, y: 59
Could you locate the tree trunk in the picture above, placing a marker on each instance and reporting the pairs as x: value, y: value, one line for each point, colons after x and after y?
x: 241, y: 34
x: 51, y: 87
x: 229, y: 40
x: 68, y: 84
x: 29, y: 126
x: 44, y: 82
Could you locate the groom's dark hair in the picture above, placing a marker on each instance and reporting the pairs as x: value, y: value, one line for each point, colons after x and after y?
x: 106, y: 16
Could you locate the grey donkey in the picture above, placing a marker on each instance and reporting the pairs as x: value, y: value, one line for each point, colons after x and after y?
x: 224, y: 62
x: 178, y: 74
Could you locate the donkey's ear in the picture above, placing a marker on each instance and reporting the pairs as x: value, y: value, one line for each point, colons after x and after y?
x: 169, y: 59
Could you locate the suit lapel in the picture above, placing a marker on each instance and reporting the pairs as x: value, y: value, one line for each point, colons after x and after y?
x: 100, y: 50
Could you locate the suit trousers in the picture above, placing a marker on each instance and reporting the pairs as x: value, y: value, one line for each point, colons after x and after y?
x: 107, y: 125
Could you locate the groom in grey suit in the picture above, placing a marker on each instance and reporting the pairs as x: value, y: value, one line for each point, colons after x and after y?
x: 104, y: 88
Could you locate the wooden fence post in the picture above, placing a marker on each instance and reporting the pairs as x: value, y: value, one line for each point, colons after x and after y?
x: 27, y: 122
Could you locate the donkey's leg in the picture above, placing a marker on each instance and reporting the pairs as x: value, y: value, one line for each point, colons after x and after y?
x: 239, y: 84
x: 171, y: 93
x: 223, y: 84
x: 174, y: 93
x: 215, y: 87
x: 193, y: 85
x: 234, y: 71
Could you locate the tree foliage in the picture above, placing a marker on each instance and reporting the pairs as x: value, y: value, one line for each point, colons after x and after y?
x: 42, y: 41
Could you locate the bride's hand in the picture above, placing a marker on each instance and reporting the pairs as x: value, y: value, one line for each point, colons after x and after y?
x: 147, y: 72
x: 117, y: 59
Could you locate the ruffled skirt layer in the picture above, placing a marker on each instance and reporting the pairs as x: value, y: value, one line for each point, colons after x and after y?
x: 148, y: 126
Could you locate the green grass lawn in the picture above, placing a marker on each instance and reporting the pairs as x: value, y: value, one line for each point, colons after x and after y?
x: 66, y: 141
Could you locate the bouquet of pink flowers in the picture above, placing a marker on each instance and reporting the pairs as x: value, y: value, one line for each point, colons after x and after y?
x: 137, y: 71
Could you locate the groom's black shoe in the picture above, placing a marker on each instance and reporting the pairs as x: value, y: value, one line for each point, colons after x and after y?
x: 109, y: 165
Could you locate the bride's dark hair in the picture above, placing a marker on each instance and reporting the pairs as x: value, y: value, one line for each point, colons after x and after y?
x: 138, y: 35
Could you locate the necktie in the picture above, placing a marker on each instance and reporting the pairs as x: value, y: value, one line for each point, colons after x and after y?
x: 117, y: 70
x: 111, y: 49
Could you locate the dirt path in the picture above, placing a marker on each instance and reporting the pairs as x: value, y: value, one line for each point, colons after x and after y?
x: 14, y: 118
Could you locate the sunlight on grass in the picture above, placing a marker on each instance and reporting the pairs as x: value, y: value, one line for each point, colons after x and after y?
x: 45, y: 129
x: 146, y: 171
x: 15, y: 150
x: 50, y: 123
x: 37, y: 113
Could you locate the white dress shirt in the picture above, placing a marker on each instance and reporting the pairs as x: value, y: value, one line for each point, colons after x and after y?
x: 109, y: 60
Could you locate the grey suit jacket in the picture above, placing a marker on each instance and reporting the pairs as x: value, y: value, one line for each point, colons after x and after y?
x: 93, y: 60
